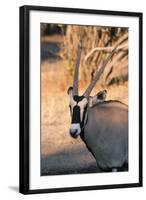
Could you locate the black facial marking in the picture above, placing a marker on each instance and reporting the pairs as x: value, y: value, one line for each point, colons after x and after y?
x: 78, y: 98
x: 76, y: 114
x: 83, y: 119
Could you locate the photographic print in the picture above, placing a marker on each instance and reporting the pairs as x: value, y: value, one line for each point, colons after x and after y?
x: 80, y: 99
x: 92, y: 128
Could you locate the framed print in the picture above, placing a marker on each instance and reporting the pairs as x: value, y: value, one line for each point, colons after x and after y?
x: 80, y: 99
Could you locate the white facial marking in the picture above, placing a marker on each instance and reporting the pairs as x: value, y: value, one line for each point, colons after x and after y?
x: 72, y: 103
x: 82, y: 105
x: 76, y: 127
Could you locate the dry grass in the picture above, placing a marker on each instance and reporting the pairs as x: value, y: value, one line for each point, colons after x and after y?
x: 55, y: 116
x: 59, y: 152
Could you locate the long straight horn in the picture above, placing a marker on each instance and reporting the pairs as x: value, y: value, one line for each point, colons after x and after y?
x: 98, y: 73
x: 76, y: 72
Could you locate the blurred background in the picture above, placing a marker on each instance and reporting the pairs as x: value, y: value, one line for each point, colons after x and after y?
x: 61, y: 154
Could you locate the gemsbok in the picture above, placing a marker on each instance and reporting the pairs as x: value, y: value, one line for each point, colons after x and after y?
x: 101, y: 124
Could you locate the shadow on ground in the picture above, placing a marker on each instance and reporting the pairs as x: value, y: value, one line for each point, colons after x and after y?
x: 69, y: 161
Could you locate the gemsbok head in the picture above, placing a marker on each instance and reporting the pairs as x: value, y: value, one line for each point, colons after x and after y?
x: 101, y: 124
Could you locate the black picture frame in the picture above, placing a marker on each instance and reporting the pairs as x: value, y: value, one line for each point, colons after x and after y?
x: 24, y: 122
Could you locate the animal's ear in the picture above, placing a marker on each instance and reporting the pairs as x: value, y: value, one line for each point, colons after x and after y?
x: 69, y: 91
x: 99, y: 97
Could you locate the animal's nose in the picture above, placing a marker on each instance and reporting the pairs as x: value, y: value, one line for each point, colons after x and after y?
x: 73, y: 132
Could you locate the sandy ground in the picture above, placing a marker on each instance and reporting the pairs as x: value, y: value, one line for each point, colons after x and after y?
x: 61, y: 154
